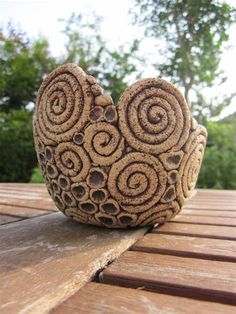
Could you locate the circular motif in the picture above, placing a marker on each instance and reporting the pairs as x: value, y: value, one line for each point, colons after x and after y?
x: 72, y: 160
x: 191, y: 162
x: 63, y: 104
x: 103, y: 143
x: 158, y: 214
x: 118, y: 167
x: 137, y: 181
x: 153, y: 116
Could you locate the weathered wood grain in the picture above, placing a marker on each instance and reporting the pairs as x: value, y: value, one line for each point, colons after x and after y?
x: 209, y: 213
x: 216, y: 192
x: 30, y: 203
x: 23, y: 212
x: 206, y: 220
x: 188, y: 229
x: 188, y: 277
x: 19, y: 185
x: 46, y: 259
x: 5, y: 219
x: 211, y: 249
x: 33, y: 196
x: 209, y: 206
x: 106, y: 299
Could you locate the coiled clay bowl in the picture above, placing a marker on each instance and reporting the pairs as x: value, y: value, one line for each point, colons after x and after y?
x: 134, y: 164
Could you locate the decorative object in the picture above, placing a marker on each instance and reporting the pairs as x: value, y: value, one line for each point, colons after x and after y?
x: 134, y: 164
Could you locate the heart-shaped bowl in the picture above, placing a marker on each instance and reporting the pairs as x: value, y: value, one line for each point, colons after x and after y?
x: 134, y: 164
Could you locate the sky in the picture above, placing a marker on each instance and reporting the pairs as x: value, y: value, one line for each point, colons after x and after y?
x: 41, y: 17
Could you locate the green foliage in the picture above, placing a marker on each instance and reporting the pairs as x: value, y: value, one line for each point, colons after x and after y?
x: 36, y: 176
x: 16, y: 146
x: 219, y: 164
x: 23, y: 65
x: 230, y: 120
x: 193, y: 60
x: 191, y: 35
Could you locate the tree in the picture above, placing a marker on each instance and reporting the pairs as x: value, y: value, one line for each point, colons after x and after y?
x: 191, y: 35
x: 113, y: 68
x: 219, y: 165
x: 16, y: 146
x: 23, y: 65
x: 203, y: 108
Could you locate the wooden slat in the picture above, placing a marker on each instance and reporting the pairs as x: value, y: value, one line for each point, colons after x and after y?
x: 6, y: 219
x: 35, y: 188
x: 106, y: 299
x: 23, y: 212
x: 211, y: 213
x: 216, y: 192
x: 212, y: 201
x: 23, y: 185
x: 211, y: 249
x: 43, y: 205
x: 208, y: 206
x: 26, y: 195
x: 217, y: 232
x: 22, y: 196
x: 205, y: 220
x: 23, y: 190
x: 220, y: 199
x: 46, y: 259
x: 188, y: 277
x: 214, y: 196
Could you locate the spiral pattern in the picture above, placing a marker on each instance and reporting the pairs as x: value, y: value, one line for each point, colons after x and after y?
x: 63, y: 104
x: 72, y: 160
x: 125, y: 166
x: 191, y: 162
x: 158, y: 214
x: 153, y: 116
x: 103, y: 143
x: 137, y: 181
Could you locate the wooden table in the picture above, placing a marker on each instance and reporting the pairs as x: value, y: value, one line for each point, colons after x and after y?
x: 51, y: 264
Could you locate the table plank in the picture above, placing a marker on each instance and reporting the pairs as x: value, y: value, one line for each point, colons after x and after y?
x: 106, y: 299
x: 211, y: 249
x: 5, y: 219
x: 46, y: 259
x: 216, y: 192
x: 36, y: 204
x: 34, y: 196
x: 211, y: 213
x: 206, y: 220
x: 24, y: 212
x: 188, y: 277
x: 30, y: 188
x: 188, y: 229
x: 23, y: 185
x: 215, y: 202
x: 208, y: 206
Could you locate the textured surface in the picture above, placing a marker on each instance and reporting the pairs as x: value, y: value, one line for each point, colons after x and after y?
x: 196, y: 230
x: 20, y: 201
x: 183, y: 272
x: 106, y: 299
x: 134, y: 164
x: 43, y: 260
x: 39, y: 272
x: 203, y: 248
x: 178, y: 275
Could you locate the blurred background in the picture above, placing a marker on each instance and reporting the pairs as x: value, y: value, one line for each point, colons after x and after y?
x: 191, y: 43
